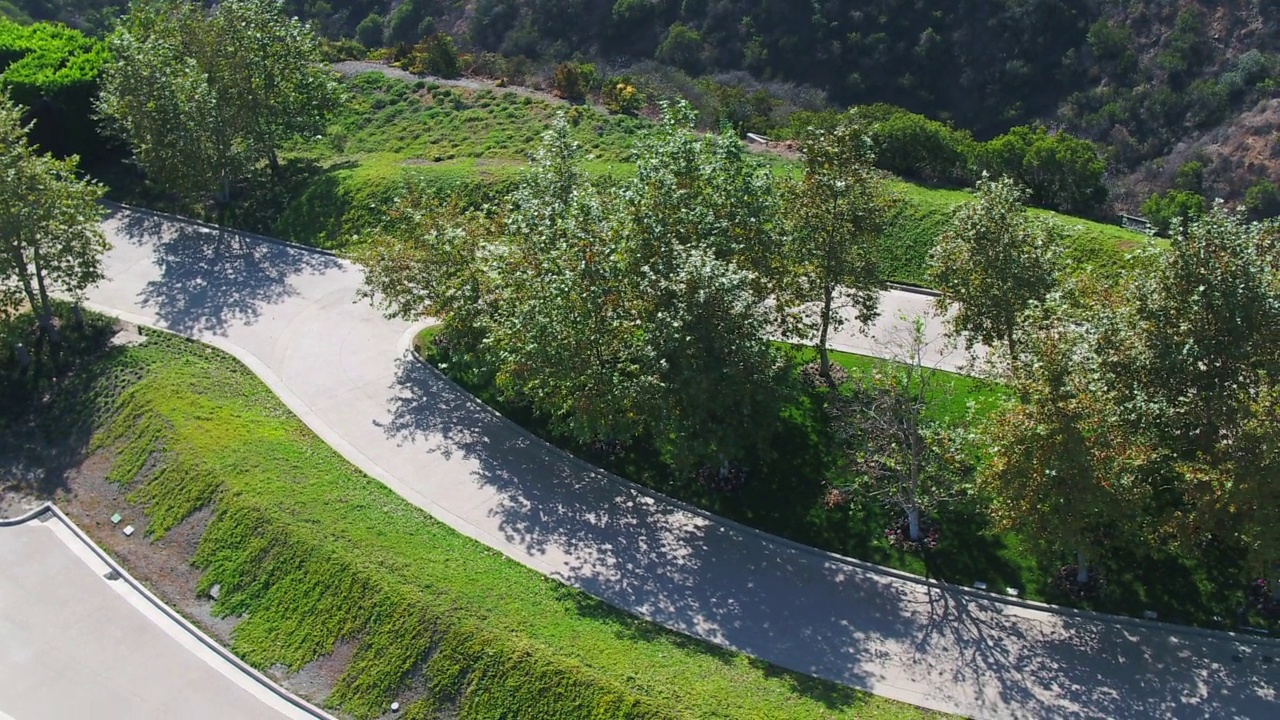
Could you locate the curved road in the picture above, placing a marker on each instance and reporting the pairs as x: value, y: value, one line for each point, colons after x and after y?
x: 292, y: 317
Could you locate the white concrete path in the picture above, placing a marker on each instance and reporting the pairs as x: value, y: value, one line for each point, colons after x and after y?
x: 74, y: 644
x: 292, y: 317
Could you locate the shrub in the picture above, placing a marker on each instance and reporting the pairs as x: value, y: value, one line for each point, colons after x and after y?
x: 621, y: 96
x: 53, y: 70
x: 568, y: 82
x: 914, y: 146
x: 436, y: 55
x: 1262, y: 200
x: 1175, y: 205
x: 1061, y: 172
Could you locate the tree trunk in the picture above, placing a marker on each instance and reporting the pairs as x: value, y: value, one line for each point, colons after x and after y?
x: 46, y: 309
x: 1082, y: 567
x: 824, y: 357
x: 78, y: 313
x: 913, y: 524
x: 274, y: 162
x: 23, y: 356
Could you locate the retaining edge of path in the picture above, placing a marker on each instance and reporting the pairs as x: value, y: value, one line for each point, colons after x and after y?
x: 1166, y: 627
x: 114, y: 206
x: 195, y: 632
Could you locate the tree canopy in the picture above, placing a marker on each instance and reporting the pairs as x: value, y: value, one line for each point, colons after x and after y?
x: 203, y: 95
x: 50, y: 237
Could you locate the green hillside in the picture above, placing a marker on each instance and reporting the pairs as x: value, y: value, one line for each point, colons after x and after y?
x: 398, y: 137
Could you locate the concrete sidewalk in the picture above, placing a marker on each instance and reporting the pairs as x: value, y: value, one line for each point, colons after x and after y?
x: 78, y: 645
x: 292, y: 316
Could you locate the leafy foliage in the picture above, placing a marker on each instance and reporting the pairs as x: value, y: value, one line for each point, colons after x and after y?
x: 53, y: 72
x: 1060, y: 172
x: 203, y: 96
x: 837, y: 214
x: 993, y: 262
x: 1194, y: 357
x: 50, y: 237
x: 1170, y: 210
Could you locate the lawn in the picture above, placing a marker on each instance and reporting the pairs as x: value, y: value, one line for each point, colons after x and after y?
x: 786, y: 494
x: 311, y: 551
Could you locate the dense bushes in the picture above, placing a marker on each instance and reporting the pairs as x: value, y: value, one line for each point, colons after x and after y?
x: 53, y: 70
x: 1061, y: 172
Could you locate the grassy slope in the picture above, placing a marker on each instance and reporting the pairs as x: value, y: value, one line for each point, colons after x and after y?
x: 448, y: 139
x: 314, y: 551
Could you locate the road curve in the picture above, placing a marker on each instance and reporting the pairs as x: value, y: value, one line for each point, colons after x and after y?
x: 292, y: 316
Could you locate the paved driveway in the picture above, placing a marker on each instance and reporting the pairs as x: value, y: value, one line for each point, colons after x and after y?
x: 76, y: 645
x: 292, y: 316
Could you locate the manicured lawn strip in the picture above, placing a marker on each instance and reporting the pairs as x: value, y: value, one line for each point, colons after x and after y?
x: 786, y: 495
x: 313, y: 551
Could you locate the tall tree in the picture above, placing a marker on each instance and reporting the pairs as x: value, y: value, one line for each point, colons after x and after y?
x: 202, y: 95
x: 992, y: 263
x: 50, y: 237
x: 1194, y: 358
x: 562, y: 332
x: 837, y: 213
x: 896, y: 451
x: 1064, y: 470
x: 700, y: 217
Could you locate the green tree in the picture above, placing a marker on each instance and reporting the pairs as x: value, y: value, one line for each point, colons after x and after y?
x: 1063, y: 469
x: 1193, y: 359
x: 1060, y: 171
x: 682, y: 48
x: 1173, y: 209
x: 837, y: 213
x: 994, y: 260
x: 562, y: 334
x: 1262, y: 200
x: 203, y: 96
x: 426, y: 262
x: 701, y: 219
x: 51, y: 239
x: 369, y: 31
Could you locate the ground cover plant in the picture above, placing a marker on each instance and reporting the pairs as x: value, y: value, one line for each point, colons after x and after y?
x: 315, y: 552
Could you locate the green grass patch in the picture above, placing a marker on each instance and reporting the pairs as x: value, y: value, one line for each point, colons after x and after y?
x: 925, y: 212
x: 312, y: 552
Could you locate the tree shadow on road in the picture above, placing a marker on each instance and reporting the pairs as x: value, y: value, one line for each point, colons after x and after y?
x: 212, y: 278
x: 808, y: 614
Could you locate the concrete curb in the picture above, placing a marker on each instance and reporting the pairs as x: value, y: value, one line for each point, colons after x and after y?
x: 114, y: 206
x: 1263, y: 641
x: 49, y: 508
x: 916, y: 289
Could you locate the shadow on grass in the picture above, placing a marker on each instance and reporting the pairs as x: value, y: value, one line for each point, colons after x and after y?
x: 46, y: 411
